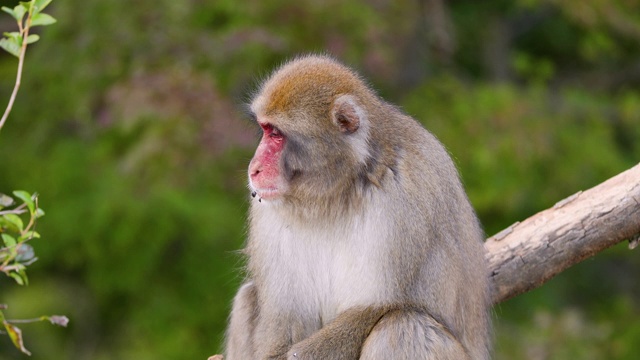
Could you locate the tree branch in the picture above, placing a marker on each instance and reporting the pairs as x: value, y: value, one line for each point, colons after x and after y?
x: 527, y: 254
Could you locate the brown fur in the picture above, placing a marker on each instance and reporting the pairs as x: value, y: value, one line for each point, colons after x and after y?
x: 372, y: 250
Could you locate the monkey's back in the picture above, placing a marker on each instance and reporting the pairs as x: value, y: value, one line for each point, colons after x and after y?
x: 438, y: 229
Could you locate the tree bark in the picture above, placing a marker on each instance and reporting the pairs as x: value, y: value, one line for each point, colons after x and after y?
x: 528, y: 253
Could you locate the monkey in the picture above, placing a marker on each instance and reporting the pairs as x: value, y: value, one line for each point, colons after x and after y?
x: 362, y: 243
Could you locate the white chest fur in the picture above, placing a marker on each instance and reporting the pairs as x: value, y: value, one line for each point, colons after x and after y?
x: 320, y: 271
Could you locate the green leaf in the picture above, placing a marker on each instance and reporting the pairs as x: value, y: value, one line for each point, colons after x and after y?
x: 23, y: 275
x: 18, y: 278
x: 25, y: 4
x: 30, y: 235
x: 4, y: 223
x: 10, y: 46
x: 32, y: 38
x: 15, y: 220
x: 19, y: 11
x: 26, y: 197
x: 5, y: 201
x: 14, y: 35
x: 16, y: 337
x: 9, y: 241
x: 42, y: 20
x: 41, y: 4
x: 12, y: 43
x: 39, y: 213
x: 9, y: 11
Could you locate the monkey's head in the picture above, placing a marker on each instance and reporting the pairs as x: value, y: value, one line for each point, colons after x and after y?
x: 315, y: 141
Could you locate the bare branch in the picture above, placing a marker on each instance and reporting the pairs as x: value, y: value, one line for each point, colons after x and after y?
x: 528, y: 253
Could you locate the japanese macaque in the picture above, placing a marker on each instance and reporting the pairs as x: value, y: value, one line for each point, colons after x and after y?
x: 362, y: 242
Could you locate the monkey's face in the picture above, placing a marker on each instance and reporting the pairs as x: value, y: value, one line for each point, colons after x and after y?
x: 314, y: 134
x: 297, y: 164
x: 265, y: 180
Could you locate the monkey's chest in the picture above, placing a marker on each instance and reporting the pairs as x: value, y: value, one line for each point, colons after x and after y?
x: 321, y: 273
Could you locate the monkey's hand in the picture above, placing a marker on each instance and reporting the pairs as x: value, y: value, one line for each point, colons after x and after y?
x: 325, y: 348
x: 340, y: 339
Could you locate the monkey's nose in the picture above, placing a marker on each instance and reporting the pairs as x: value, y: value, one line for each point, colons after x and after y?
x: 254, y: 173
x: 254, y: 169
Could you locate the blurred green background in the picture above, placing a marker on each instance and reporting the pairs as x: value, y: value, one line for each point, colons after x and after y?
x: 129, y: 124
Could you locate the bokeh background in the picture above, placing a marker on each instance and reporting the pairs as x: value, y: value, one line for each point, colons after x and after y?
x: 129, y: 125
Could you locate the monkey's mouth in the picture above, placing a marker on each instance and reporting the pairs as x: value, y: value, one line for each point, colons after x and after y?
x: 266, y: 194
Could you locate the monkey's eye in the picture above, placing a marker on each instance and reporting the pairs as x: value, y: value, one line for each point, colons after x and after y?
x: 275, y: 133
x: 272, y: 132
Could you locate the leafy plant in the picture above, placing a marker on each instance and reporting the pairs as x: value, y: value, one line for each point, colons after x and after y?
x: 16, y: 254
x: 16, y: 42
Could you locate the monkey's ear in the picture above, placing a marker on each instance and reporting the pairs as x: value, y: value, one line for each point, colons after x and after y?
x: 346, y: 114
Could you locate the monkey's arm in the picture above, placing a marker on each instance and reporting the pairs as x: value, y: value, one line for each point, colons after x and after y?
x: 342, y: 338
x: 242, y: 324
x: 386, y: 332
x: 257, y: 333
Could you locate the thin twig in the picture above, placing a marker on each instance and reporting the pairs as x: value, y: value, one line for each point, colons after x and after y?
x: 24, y: 321
x: 9, y: 268
x: 23, y: 50
x: 16, y: 211
x: 32, y: 219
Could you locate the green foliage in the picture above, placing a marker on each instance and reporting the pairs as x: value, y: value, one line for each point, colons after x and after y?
x: 521, y: 139
x: 158, y: 252
x: 13, y: 41
x: 15, y: 334
x: 16, y: 254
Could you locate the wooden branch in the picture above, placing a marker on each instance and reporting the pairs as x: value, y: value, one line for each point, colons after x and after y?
x: 527, y: 254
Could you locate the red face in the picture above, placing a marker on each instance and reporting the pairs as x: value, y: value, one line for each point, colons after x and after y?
x: 264, y: 170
